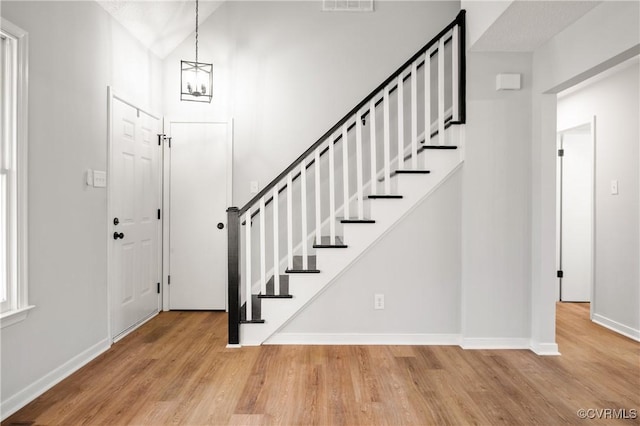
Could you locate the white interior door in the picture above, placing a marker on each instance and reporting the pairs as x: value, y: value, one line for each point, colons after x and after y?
x: 198, y: 202
x: 577, y: 215
x: 134, y: 228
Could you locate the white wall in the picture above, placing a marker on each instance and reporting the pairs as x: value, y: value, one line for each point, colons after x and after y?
x: 606, y: 35
x: 496, y: 203
x: 75, y: 51
x: 615, y: 103
x: 417, y: 268
x: 287, y: 72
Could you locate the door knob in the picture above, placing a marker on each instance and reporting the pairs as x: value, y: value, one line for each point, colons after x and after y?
x: 118, y: 235
x: 220, y: 225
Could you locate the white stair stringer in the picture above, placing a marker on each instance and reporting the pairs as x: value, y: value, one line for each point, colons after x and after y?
x: 332, y: 263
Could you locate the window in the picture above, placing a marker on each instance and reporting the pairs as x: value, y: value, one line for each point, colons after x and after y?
x: 14, y: 304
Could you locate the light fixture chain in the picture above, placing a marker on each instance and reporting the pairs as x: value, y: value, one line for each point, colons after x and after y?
x: 196, y: 32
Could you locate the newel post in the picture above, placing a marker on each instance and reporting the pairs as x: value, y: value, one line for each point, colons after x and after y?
x: 233, y: 267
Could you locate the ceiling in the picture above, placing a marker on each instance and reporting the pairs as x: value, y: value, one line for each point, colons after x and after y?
x: 526, y: 25
x: 160, y: 25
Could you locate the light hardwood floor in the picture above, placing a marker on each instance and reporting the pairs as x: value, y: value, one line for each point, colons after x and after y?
x: 176, y: 370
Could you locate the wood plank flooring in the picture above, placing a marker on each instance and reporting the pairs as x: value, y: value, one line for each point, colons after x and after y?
x: 176, y: 370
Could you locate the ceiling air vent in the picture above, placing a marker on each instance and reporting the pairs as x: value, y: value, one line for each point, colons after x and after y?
x: 347, y: 5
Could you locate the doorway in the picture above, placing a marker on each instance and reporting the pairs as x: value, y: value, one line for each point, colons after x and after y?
x: 197, y: 192
x: 576, y: 187
x: 134, y: 228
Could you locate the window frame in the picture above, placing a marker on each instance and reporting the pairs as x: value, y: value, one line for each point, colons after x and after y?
x: 16, y: 115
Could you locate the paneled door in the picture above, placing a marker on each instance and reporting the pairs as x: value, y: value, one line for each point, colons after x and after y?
x: 198, y: 185
x: 134, y: 225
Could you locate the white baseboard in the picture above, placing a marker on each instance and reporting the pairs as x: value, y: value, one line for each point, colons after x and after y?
x: 495, y: 343
x: 619, y: 328
x: 544, y: 349
x: 362, y: 339
x: 40, y: 386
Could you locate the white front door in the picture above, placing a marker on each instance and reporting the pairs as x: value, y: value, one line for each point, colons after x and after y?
x: 134, y: 228
x: 577, y: 215
x: 198, y: 203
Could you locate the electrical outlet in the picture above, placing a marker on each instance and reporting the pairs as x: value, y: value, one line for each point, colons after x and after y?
x: 378, y: 301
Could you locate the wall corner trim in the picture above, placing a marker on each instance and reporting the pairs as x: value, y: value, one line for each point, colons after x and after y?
x: 15, y: 402
x: 544, y: 349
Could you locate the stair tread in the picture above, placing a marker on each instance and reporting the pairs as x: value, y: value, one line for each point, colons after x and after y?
x: 411, y: 171
x: 253, y: 321
x: 439, y: 147
x: 325, y: 242
x: 358, y: 221
x: 389, y: 196
x: 302, y: 271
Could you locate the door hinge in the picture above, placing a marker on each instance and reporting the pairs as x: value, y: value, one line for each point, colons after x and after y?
x: 561, y: 153
x: 560, y: 274
x: 169, y: 139
x: 168, y: 279
x: 160, y: 138
x: 158, y: 288
x: 158, y: 214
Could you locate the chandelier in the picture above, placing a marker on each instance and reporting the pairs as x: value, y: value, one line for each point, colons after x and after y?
x: 196, y: 78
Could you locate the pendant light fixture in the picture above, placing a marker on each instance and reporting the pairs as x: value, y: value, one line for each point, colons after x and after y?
x: 196, y: 78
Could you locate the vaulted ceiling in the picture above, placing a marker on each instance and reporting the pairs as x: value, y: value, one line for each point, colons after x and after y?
x: 160, y: 25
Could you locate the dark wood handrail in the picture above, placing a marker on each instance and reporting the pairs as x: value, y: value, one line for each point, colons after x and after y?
x: 459, y: 20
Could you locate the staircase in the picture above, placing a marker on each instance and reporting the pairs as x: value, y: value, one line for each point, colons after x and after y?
x: 345, y: 192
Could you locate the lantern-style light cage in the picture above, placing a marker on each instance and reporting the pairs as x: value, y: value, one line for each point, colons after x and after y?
x: 196, y: 81
x: 196, y: 78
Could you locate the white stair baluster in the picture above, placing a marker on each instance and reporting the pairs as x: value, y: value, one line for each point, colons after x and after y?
x: 345, y: 172
x: 303, y: 212
x: 400, y: 122
x: 387, y: 142
x: 372, y: 144
x: 263, y: 247
x: 427, y: 103
x: 359, y: 165
x: 318, y: 198
x: 441, y: 117
x: 276, y: 242
x: 290, y: 221
x: 247, y: 264
x: 455, y: 51
x: 414, y: 115
x: 332, y: 194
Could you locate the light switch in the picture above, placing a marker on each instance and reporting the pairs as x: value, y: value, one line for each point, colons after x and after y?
x: 614, y: 187
x: 89, y: 177
x: 99, y: 179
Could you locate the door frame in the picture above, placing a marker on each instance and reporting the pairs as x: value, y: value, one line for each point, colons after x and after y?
x: 112, y: 95
x: 559, y: 215
x: 166, y: 196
